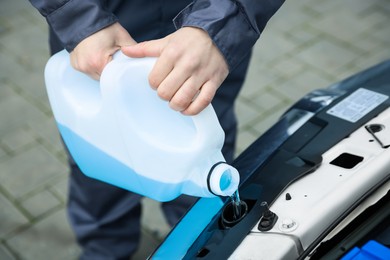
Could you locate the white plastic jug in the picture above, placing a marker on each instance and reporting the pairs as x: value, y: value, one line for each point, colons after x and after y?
x: 120, y: 132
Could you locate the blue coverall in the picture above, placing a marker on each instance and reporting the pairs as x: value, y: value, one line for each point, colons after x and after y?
x: 106, y: 219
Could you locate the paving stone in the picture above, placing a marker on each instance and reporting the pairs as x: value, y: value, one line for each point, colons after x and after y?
x: 261, y: 126
x: 5, y: 254
x: 19, y: 113
x: 15, y: 41
x: 36, y: 18
x: 153, y: 219
x: 47, y: 131
x: 28, y: 67
x: 9, y: 67
x: 11, y: 218
x: 30, y: 83
x: 375, y: 57
x: 302, y: 36
x: 279, y: 43
x: 383, y: 5
x: 28, y: 170
x: 305, y: 82
x: 379, y: 17
x: 355, y: 6
x: 10, y: 8
x: 382, y: 33
x: 288, y: 90
x: 5, y: 91
x: 246, y: 113
x: 3, y: 27
x: 343, y: 27
x: 40, y: 203
x: 328, y: 56
x: 289, y: 16
x: 268, y: 100
x: 61, y: 188
x: 330, y: 6
x: 147, y: 246
x: 2, y: 153
x: 48, y: 239
x: 17, y: 139
x: 258, y: 79
x: 369, y: 43
x: 288, y: 67
x: 244, y: 139
x: 33, y: 85
x: 154, y: 228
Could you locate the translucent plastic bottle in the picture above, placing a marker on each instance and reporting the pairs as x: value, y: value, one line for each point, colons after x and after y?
x: 119, y: 131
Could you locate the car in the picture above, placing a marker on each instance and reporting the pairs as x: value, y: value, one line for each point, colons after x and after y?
x: 314, y: 186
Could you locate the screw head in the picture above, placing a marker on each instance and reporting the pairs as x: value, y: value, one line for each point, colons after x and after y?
x: 288, y: 225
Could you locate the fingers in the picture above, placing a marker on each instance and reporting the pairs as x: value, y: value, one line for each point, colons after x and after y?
x: 177, y: 83
x: 92, y: 65
x: 144, y: 49
x: 191, y: 97
x: 164, y: 70
x: 191, y: 94
x: 201, y: 100
x: 153, y: 48
x: 93, y: 53
x: 167, y: 86
x: 184, y: 95
x: 188, y: 71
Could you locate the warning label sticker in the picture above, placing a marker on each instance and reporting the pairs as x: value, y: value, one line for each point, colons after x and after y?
x: 357, y: 105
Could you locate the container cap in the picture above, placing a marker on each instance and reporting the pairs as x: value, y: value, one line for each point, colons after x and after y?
x: 223, y: 179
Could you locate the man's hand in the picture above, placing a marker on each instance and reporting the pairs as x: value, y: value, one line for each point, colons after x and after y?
x: 189, y: 70
x: 93, y: 53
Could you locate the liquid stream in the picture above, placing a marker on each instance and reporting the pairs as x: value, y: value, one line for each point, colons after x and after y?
x: 236, y: 204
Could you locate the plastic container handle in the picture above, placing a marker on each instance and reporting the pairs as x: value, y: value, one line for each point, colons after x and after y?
x: 119, y: 55
x: 76, y: 88
x: 203, y: 121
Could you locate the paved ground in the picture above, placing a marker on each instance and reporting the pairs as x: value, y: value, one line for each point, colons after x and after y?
x: 309, y: 44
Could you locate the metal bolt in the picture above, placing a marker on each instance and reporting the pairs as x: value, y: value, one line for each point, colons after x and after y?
x: 268, y: 218
x: 288, y: 223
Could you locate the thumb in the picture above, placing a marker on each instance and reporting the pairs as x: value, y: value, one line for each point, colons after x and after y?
x: 151, y: 48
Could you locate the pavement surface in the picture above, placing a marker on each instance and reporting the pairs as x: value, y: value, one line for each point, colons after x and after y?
x: 308, y: 44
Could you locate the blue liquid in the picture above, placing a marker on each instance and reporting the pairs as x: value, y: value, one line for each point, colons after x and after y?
x: 225, y: 181
x: 97, y: 164
x: 189, y: 229
x: 236, y: 204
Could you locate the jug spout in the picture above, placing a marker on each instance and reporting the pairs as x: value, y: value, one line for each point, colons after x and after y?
x: 223, y: 179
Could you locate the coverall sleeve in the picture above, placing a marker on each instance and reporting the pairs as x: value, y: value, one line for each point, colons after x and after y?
x: 74, y: 20
x: 234, y: 25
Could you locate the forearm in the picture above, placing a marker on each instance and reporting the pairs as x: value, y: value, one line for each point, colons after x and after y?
x: 73, y: 20
x: 234, y: 26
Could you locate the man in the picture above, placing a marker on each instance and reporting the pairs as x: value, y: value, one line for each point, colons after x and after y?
x: 202, y: 57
